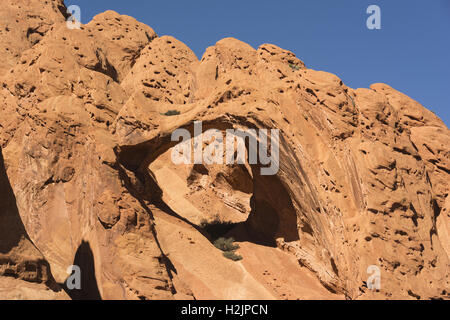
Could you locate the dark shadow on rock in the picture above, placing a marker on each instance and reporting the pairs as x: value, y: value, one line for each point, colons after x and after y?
x: 84, y: 259
x: 272, y: 213
x: 12, y: 229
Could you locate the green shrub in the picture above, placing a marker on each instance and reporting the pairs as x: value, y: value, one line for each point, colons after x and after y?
x: 294, y: 67
x: 232, y: 256
x: 171, y: 113
x: 216, y: 228
x: 226, y: 244
x: 228, y: 247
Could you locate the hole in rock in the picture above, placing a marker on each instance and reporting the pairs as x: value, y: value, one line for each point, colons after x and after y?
x: 220, y: 199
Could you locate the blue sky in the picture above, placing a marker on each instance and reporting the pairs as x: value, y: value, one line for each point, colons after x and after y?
x: 411, y: 52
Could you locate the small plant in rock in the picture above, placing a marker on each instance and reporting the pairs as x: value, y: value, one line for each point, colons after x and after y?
x: 294, y: 67
x: 226, y: 244
x: 171, y: 113
x: 216, y: 228
x: 232, y: 256
x: 228, y: 247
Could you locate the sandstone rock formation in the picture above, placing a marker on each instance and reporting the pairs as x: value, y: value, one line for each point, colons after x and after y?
x: 87, y: 179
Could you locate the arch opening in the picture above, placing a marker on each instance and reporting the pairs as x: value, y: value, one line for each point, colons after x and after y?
x: 219, y: 199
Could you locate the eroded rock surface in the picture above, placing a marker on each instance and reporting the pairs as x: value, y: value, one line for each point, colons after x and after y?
x: 88, y: 179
